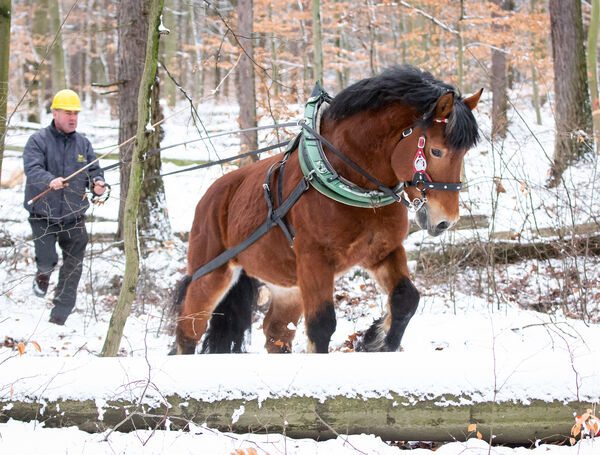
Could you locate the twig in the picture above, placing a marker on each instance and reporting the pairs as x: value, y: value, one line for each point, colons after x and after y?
x: 346, y: 441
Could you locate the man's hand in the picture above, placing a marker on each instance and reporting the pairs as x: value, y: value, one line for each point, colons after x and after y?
x: 99, y: 187
x: 58, y: 183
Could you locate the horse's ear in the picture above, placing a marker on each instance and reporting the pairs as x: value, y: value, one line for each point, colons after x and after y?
x: 472, y: 101
x: 444, y: 106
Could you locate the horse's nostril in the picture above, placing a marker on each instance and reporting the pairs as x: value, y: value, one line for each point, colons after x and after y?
x: 443, y: 226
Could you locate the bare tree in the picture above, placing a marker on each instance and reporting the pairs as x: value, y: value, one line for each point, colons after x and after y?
x: 59, y: 75
x: 133, y: 34
x: 317, y: 41
x: 133, y: 30
x: 592, y: 59
x: 5, y: 9
x: 499, y: 79
x: 572, y: 106
x: 244, y: 80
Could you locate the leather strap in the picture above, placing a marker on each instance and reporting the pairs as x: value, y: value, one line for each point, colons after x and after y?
x: 273, y: 220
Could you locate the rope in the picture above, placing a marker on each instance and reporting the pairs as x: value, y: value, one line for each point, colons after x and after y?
x: 256, y: 128
x: 214, y: 163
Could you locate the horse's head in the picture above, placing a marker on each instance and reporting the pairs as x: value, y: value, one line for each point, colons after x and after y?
x: 450, y: 130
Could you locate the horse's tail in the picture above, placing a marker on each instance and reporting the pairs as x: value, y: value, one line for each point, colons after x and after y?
x: 232, y: 317
x: 179, y: 295
x: 178, y: 298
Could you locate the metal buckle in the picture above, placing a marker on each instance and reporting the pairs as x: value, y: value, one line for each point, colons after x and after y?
x: 407, y: 132
x: 416, y: 204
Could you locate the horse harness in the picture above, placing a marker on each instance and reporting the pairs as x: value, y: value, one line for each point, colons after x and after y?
x: 319, y: 173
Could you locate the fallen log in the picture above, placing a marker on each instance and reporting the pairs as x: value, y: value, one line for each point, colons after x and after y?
x: 508, y: 248
x: 395, y: 418
x: 397, y: 396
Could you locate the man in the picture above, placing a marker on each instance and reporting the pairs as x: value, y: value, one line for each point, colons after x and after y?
x: 50, y: 155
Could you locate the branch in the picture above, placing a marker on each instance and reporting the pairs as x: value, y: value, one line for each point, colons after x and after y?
x: 430, y: 17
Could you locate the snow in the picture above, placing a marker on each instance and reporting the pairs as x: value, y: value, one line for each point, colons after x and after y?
x: 16, y: 438
x: 459, y: 343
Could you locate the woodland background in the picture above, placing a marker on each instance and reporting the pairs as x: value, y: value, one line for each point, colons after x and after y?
x: 529, y: 237
x: 265, y: 56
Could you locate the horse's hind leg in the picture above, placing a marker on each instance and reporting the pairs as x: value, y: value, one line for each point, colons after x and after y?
x: 403, y: 298
x: 232, y: 317
x: 200, y: 300
x: 281, y: 318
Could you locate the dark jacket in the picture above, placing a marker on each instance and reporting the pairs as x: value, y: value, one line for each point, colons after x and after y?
x: 50, y: 153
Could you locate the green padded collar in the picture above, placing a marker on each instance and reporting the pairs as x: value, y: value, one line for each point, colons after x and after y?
x: 321, y: 174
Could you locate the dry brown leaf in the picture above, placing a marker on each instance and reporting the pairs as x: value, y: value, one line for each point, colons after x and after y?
x: 499, y: 187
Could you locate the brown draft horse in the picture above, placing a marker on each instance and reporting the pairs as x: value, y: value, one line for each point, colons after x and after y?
x: 368, y: 122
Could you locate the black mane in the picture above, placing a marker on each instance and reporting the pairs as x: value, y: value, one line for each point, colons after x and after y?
x: 412, y: 87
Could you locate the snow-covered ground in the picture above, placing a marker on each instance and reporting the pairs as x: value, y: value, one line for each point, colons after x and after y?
x: 459, y: 340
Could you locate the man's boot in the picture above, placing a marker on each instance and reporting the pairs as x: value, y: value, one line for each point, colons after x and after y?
x: 40, y: 284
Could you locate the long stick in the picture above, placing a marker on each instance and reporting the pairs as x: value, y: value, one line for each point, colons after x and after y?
x: 97, y: 159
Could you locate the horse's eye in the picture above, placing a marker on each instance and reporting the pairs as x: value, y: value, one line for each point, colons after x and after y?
x: 437, y: 153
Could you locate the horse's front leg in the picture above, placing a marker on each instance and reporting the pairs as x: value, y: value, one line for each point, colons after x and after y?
x: 403, y: 298
x: 315, y: 280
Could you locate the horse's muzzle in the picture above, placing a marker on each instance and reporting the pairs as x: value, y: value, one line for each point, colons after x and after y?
x: 424, y: 221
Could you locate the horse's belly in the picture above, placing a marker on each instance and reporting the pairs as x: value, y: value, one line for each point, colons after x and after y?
x: 271, y: 259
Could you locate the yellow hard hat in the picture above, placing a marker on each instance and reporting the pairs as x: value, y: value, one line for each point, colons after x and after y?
x: 66, y: 100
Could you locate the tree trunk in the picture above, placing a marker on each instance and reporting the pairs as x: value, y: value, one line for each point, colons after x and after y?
x: 141, y: 392
x: 130, y: 277
x: 77, y: 58
x: 154, y: 225
x: 169, y: 50
x: 534, y: 76
x: 108, y: 42
x: 592, y: 59
x: 396, y: 417
x: 36, y: 76
x: 460, y: 49
x: 499, y: 80
x: 317, y: 41
x: 572, y: 105
x: 59, y: 75
x: 133, y: 30
x: 198, y: 51
x: 5, y: 10
x: 244, y: 80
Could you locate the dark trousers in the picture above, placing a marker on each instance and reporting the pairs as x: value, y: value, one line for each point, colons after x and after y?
x: 72, y: 239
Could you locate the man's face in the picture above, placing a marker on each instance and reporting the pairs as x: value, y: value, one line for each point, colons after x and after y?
x: 65, y: 121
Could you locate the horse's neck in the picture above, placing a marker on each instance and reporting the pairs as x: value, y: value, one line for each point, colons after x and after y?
x: 368, y: 139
